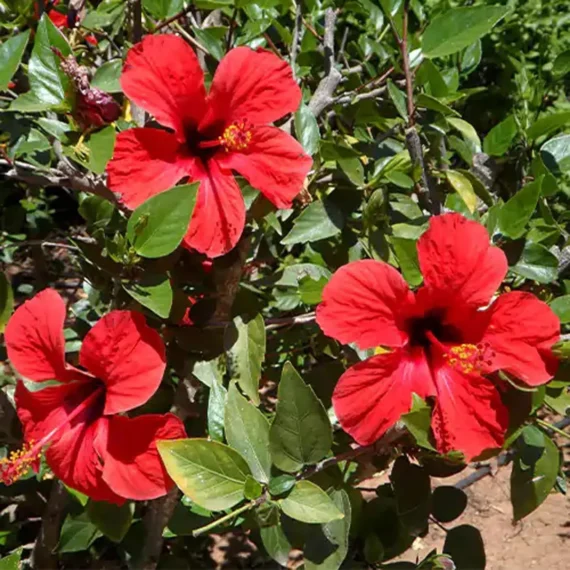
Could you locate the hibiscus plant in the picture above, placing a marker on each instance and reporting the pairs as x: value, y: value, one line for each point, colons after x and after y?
x: 284, y: 274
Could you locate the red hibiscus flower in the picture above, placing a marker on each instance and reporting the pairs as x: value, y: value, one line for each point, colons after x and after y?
x: 212, y: 135
x: 92, y: 448
x: 444, y: 342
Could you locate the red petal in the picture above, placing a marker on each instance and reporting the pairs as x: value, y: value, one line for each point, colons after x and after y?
x: 58, y: 19
x: 162, y: 75
x: 458, y: 263
x: 371, y: 396
x: 252, y: 85
x: 521, y: 332
x: 363, y: 303
x: 76, y: 459
x: 128, y: 356
x: 219, y: 215
x: 274, y: 163
x: 469, y: 415
x: 34, y: 338
x: 146, y: 162
x: 133, y: 467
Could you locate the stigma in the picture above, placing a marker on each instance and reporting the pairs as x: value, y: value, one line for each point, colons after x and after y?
x: 19, y: 462
x: 469, y: 358
x: 236, y: 137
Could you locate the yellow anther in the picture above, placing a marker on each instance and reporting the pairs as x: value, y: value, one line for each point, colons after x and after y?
x: 236, y: 137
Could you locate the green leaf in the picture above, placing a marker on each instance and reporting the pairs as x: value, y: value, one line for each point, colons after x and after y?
x: 561, y: 306
x: 429, y: 102
x: 500, y: 137
x: 48, y: 82
x: 412, y: 490
x: 157, y: 227
x: 545, y: 125
x: 276, y: 543
x: 113, y: 521
x: 107, y: 77
x: 11, y: 52
x: 530, y: 485
x: 561, y: 64
x: 352, y: 167
x: 537, y: 263
x: 308, y: 503
x: 12, y: 561
x: 247, y: 431
x: 281, y: 484
x: 301, y: 433
x: 311, y: 291
x: 212, y: 40
x: 516, y: 213
x: 462, y: 185
x: 307, y: 129
x: 319, y: 220
x: 407, y: 256
x: 467, y: 130
x: 216, y: 411
x: 101, y: 145
x: 245, y: 348
x: 555, y: 154
x: 398, y: 98
x: 6, y: 301
x: 465, y: 546
x: 418, y: 422
x: 162, y: 9
x: 252, y: 489
x: 153, y: 292
x: 458, y: 28
x: 448, y: 503
x: 77, y: 534
x: 328, y: 549
x: 213, y: 475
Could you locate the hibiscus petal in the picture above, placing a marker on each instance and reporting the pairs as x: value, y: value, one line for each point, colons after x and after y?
x: 146, y: 162
x: 162, y: 75
x: 364, y: 303
x: 76, y: 458
x: 133, y: 467
x: 458, y: 262
x: 219, y: 215
x: 128, y: 356
x: 254, y: 85
x: 521, y: 332
x: 371, y: 396
x: 274, y: 163
x: 469, y: 415
x: 34, y: 338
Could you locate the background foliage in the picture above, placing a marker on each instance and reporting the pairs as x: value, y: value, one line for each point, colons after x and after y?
x: 487, y: 137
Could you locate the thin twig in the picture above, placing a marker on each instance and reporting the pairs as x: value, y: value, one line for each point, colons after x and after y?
x: 296, y: 36
x: 231, y: 29
x: 138, y: 113
x: 168, y: 21
x: 190, y: 39
x: 271, y: 324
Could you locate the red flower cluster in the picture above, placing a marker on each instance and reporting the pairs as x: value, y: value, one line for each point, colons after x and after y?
x: 445, y: 339
x: 212, y: 134
x: 61, y: 20
x: 92, y: 447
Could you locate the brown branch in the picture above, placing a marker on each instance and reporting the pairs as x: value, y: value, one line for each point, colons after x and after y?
x: 168, y: 21
x: 138, y: 113
x: 43, y: 556
x: 296, y: 36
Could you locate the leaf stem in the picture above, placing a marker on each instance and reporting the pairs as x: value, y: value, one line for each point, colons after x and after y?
x: 552, y: 428
x: 227, y: 517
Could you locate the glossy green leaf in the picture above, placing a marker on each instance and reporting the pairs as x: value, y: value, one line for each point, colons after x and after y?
x: 398, y: 98
x: 311, y: 291
x: 327, y: 550
x: 500, y: 137
x: 77, y: 534
x: 429, y: 102
x: 245, y: 349
x: 458, y: 28
x: 537, y: 263
x: 101, y: 145
x: 307, y: 129
x: 561, y: 306
x: 210, y: 473
x: 247, y: 431
x: 216, y: 411
x: 113, y: 521
x: 545, y: 125
x: 157, y: 227
x: 11, y: 52
x: 516, y: 213
x: 107, y: 77
x: 301, y: 433
x: 555, y: 154
x: 462, y: 185
x: 465, y: 546
x: 252, y: 489
x: 153, y: 292
x: 467, y: 130
x: 530, y: 485
x: 561, y: 64
x: 407, y: 256
x: 163, y: 9
x: 212, y: 39
x: 6, y: 301
x: 308, y: 503
x: 319, y: 220
x: 418, y: 422
x: 276, y: 542
x: 448, y: 503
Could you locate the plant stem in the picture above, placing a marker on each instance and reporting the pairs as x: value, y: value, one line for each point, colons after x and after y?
x: 552, y: 428
x: 227, y: 517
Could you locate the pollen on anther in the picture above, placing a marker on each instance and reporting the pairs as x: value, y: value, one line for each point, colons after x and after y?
x: 236, y: 137
x: 17, y: 464
x: 466, y: 358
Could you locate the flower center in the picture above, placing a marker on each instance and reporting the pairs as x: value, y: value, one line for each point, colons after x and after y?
x: 236, y: 137
x: 467, y: 358
x: 19, y: 462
